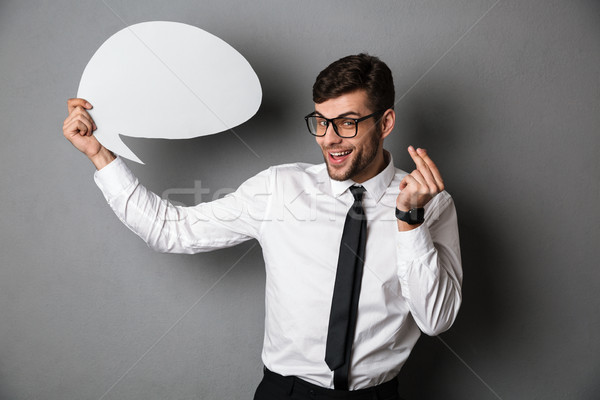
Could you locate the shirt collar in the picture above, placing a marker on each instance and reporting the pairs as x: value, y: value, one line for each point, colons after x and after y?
x: 376, y: 186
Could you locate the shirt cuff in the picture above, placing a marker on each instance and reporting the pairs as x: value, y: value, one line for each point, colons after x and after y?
x: 114, y: 178
x: 413, y: 244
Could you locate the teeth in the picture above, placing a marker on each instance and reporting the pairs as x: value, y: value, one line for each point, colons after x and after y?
x: 341, y: 153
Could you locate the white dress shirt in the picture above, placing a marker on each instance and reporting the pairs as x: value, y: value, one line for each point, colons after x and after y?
x: 411, y: 280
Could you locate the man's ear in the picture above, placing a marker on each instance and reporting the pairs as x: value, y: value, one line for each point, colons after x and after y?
x: 388, y: 120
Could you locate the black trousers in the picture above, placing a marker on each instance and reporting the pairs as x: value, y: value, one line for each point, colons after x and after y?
x: 278, y: 387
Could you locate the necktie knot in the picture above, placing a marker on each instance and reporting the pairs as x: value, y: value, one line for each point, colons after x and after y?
x: 357, y: 211
x: 357, y: 192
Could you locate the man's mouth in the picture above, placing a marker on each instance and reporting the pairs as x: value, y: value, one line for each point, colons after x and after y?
x: 337, y: 157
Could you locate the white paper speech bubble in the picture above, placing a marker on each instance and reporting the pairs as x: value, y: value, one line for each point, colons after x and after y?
x: 167, y: 80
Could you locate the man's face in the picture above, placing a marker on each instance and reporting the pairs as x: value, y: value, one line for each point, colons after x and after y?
x: 358, y: 158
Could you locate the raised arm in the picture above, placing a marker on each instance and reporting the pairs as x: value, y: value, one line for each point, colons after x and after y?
x: 164, y: 227
x: 429, y: 262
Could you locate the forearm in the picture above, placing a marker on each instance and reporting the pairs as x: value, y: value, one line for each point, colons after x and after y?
x: 429, y: 268
x: 433, y: 291
x: 143, y: 212
x: 174, y: 229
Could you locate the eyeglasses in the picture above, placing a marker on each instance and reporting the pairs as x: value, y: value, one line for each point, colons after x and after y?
x: 343, y: 126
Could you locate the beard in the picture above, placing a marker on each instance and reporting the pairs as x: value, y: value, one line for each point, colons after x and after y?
x: 361, y: 159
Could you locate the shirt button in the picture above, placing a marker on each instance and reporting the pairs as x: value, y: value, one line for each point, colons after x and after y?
x: 311, y: 393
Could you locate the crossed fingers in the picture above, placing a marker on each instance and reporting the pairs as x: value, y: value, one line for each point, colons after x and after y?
x: 426, y: 169
x: 418, y: 187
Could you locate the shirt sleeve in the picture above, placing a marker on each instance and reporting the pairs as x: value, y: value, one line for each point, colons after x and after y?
x: 167, y: 228
x: 429, y: 267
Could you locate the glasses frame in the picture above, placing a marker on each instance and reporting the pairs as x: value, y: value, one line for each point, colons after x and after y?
x: 331, y: 121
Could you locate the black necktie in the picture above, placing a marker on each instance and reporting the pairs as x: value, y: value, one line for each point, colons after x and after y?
x: 344, y: 306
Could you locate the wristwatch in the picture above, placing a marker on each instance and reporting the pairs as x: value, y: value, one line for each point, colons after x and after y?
x: 412, y: 217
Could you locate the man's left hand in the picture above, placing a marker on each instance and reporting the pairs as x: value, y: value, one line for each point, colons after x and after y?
x: 422, y: 184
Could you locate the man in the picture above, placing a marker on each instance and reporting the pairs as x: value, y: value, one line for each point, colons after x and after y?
x: 341, y: 318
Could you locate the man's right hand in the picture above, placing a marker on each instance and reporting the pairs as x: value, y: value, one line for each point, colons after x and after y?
x: 78, y: 129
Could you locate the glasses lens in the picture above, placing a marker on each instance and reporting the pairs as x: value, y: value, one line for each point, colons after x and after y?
x: 316, y: 125
x: 346, y: 127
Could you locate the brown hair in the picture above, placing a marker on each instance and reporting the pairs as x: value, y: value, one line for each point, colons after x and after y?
x: 357, y: 72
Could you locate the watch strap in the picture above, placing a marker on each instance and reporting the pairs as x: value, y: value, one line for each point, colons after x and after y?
x: 413, y: 216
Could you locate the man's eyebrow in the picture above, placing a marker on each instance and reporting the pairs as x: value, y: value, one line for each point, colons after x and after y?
x: 346, y: 114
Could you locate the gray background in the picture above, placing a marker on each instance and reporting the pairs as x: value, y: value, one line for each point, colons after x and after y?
x: 505, y: 95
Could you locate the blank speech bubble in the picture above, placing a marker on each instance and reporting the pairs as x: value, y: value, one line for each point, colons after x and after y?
x: 167, y: 80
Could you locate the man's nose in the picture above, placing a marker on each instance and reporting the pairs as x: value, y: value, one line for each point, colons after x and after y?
x: 331, y: 136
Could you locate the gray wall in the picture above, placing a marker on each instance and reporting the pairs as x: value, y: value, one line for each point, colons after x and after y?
x: 505, y: 95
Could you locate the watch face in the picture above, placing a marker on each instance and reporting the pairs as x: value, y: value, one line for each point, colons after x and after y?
x: 413, y: 215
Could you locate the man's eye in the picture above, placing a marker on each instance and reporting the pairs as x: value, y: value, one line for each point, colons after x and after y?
x: 321, y: 122
x: 347, y: 123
